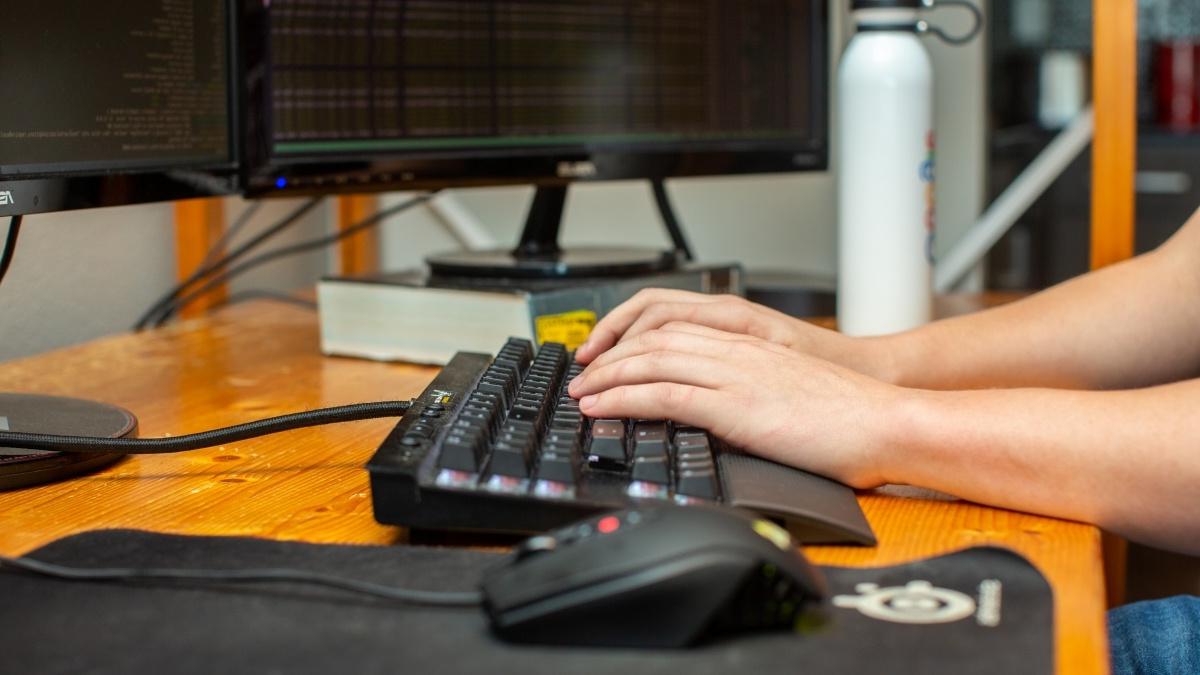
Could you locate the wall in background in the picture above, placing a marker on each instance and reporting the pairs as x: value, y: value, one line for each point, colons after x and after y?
x: 85, y: 274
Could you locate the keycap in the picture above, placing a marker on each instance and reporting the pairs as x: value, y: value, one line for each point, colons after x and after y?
x: 496, y: 387
x: 562, y: 467
x: 461, y: 453
x: 651, y: 469
x: 683, y: 441
x: 701, y: 484
x: 608, y: 441
x: 649, y: 439
x: 525, y: 414
x: 703, y: 464
x: 510, y: 459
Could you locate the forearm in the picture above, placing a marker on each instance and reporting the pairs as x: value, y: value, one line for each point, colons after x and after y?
x: 1129, y: 325
x: 1128, y: 461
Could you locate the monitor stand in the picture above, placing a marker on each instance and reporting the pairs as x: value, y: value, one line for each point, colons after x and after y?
x: 34, y: 413
x: 538, y: 255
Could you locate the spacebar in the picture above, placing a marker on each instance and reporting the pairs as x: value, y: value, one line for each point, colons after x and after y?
x: 815, y: 509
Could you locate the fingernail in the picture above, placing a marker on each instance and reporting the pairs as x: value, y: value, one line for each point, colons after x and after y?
x: 588, y: 401
x: 574, y: 384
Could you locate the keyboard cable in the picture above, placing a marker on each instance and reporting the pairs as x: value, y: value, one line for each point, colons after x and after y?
x: 204, y: 439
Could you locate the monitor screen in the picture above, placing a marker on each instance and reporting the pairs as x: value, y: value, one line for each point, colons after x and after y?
x: 114, y: 102
x: 409, y: 92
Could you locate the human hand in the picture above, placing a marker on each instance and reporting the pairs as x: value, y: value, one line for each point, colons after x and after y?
x: 758, y: 395
x: 704, y: 314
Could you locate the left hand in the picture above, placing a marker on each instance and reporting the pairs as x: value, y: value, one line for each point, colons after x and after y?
x: 768, y: 399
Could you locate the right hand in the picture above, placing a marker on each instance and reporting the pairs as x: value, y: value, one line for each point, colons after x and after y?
x: 772, y: 401
x: 655, y: 308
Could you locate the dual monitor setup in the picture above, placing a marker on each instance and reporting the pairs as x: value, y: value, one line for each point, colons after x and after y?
x: 152, y: 100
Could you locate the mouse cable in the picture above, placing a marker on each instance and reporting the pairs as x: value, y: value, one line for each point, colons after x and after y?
x: 133, y: 574
x: 320, y: 242
x: 208, y: 270
x: 203, y: 439
x: 10, y: 244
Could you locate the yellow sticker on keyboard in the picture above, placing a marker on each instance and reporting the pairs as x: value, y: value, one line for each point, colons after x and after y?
x: 569, y: 328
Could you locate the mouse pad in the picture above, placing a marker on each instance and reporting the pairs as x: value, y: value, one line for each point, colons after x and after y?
x: 981, y: 610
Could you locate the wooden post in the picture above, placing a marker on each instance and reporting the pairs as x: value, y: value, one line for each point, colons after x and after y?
x: 198, y: 225
x: 1114, y: 160
x: 359, y: 253
x: 1114, y: 149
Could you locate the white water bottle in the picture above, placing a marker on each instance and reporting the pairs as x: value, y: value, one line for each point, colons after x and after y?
x: 885, y: 160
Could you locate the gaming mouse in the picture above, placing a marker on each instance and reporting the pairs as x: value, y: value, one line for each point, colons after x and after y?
x: 652, y: 576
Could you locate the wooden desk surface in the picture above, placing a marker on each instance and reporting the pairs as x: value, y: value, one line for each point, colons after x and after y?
x: 262, y: 359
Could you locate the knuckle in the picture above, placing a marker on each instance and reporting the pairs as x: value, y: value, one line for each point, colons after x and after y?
x: 648, y: 340
x: 675, y: 397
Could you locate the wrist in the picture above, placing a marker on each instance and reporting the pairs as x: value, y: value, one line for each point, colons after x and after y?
x: 903, y: 443
x: 875, y: 357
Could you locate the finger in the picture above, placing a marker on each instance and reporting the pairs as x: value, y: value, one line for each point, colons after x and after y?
x: 613, y: 325
x: 682, y: 403
x: 706, y: 331
x: 659, y: 366
x: 730, y: 317
x: 656, y: 341
x: 723, y: 336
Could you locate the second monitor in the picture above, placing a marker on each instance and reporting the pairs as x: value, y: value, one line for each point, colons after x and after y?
x: 395, y: 94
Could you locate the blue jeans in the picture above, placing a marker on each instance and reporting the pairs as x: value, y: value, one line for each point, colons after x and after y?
x: 1156, y: 637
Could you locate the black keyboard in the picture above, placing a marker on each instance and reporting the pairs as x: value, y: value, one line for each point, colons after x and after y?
x: 498, y: 445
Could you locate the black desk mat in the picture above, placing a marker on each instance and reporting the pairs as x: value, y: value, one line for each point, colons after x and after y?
x: 995, y: 611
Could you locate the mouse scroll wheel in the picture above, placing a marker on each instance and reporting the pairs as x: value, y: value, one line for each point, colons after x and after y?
x: 536, y: 545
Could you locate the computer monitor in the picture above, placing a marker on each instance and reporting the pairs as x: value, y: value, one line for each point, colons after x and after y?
x: 411, y: 94
x: 106, y: 103
x: 111, y: 103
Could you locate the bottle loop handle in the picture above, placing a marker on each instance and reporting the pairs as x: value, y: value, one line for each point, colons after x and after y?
x: 924, y: 26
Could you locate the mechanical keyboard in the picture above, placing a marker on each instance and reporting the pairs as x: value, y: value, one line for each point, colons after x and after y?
x: 496, y: 444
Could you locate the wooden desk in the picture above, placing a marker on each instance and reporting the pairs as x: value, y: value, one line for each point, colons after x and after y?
x: 257, y: 360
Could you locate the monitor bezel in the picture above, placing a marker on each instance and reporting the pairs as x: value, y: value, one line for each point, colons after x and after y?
x: 557, y: 165
x: 48, y: 189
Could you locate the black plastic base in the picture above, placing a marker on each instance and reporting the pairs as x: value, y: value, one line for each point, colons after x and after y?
x: 34, y: 413
x: 590, y: 261
x: 793, y: 293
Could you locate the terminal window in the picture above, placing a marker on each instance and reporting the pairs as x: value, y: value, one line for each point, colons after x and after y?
x: 110, y: 85
x: 363, y: 75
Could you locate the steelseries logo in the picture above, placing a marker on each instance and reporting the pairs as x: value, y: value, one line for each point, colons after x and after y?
x: 576, y: 170
x: 6, y: 198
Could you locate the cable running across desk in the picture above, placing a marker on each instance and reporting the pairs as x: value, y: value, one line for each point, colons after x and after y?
x: 204, y: 439
x: 270, y: 575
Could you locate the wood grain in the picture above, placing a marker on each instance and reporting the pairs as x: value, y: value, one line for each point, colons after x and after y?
x: 260, y: 359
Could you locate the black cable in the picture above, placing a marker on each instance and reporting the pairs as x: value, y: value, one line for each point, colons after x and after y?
x: 203, y: 439
x: 669, y: 220
x: 301, y: 247
x: 274, y: 575
x: 208, y: 270
x: 10, y: 245
x: 230, y: 232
